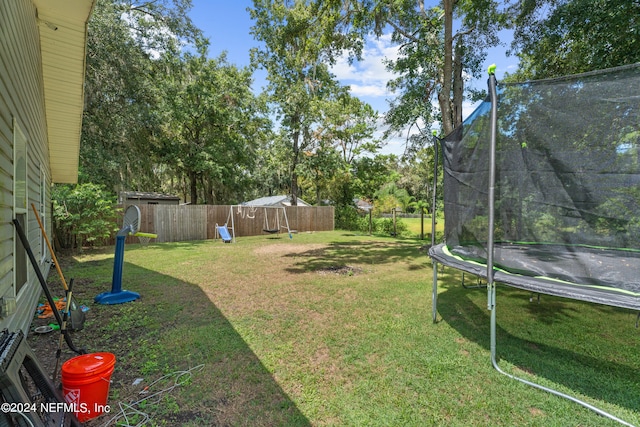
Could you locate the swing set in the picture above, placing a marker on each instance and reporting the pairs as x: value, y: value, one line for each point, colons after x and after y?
x: 279, y: 221
x: 275, y: 220
x: 222, y: 231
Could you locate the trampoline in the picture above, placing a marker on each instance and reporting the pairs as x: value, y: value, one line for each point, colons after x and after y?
x: 601, y: 275
x: 542, y: 192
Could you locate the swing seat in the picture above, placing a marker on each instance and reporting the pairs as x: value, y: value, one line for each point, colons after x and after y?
x: 275, y: 226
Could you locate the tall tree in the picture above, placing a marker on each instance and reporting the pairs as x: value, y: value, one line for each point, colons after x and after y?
x: 435, y: 56
x: 372, y: 173
x: 555, y: 38
x: 212, y: 128
x: 417, y: 177
x: 271, y: 173
x: 345, y: 131
x: 349, y: 125
x: 299, y: 42
x: 120, y: 120
x: 317, y: 173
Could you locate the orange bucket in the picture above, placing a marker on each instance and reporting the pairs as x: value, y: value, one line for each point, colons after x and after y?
x: 85, y: 384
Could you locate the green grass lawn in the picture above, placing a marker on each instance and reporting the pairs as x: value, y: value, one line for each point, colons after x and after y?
x: 415, y: 226
x: 335, y: 329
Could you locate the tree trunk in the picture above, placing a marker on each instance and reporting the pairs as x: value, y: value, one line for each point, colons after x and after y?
x: 444, y: 96
x: 294, y: 162
x: 458, y: 84
x: 318, y: 200
x: 208, y: 194
x: 294, y: 189
x: 193, y: 183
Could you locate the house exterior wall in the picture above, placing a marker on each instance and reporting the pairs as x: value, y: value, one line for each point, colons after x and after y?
x: 22, y: 107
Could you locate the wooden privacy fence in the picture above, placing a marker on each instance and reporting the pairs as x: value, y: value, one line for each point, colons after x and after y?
x: 197, y: 222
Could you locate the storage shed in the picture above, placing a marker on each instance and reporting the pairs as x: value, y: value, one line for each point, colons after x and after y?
x: 274, y: 201
x: 127, y: 198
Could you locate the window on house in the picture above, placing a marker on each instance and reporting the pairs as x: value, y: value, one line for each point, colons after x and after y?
x: 19, y: 205
x: 41, y: 212
x: 20, y: 271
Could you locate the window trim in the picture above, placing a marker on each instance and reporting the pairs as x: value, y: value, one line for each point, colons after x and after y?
x: 44, y: 251
x: 20, y: 146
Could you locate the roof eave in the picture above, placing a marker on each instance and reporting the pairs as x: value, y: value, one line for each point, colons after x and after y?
x: 63, y: 39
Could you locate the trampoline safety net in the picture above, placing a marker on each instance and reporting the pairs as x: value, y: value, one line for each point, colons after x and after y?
x: 567, y: 192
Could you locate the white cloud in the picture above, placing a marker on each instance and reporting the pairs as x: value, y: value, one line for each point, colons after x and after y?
x: 369, y: 76
x: 368, y: 80
x: 368, y: 90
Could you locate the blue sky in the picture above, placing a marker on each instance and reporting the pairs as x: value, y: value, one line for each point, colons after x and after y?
x: 227, y: 24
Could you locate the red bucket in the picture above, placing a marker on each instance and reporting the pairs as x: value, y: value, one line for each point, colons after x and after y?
x: 85, y: 383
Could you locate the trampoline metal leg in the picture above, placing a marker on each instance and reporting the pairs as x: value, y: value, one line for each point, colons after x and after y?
x: 539, y: 386
x: 492, y: 342
x: 479, y: 284
x: 435, y: 292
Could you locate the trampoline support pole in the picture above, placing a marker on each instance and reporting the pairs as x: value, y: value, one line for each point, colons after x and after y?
x: 435, y: 292
x: 491, y: 286
x: 436, y: 159
x: 541, y: 387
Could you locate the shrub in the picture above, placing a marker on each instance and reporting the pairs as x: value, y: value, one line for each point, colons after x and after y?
x: 347, y: 218
x: 83, y: 214
x: 382, y: 226
x: 385, y: 226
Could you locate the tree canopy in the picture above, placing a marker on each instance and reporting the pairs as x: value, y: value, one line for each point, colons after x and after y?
x: 435, y: 57
x: 163, y: 115
x: 555, y: 38
x: 213, y: 124
x: 300, y: 41
x: 160, y: 115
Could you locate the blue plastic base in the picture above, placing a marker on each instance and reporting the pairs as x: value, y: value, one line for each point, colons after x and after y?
x: 116, y: 297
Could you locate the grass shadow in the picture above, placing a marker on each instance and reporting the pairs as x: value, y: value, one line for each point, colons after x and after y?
x: 174, y: 326
x: 363, y: 253
x: 529, y: 335
x: 190, y: 244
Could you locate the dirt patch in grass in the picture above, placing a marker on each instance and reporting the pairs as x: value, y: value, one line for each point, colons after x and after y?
x: 288, y: 249
x: 46, y: 345
x: 119, y: 329
x: 340, y: 270
x: 536, y: 412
